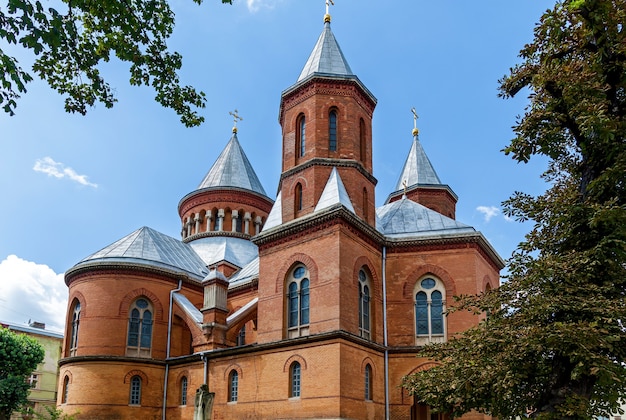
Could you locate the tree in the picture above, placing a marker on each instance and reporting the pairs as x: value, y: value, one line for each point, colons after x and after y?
x: 70, y: 43
x: 19, y: 356
x: 553, y: 344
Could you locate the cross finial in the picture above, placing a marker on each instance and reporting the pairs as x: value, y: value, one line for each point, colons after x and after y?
x: 236, y: 118
x: 404, y: 185
x: 327, y: 15
x: 415, y: 117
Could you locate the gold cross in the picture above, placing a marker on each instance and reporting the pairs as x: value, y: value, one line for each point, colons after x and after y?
x: 404, y: 185
x: 235, y: 118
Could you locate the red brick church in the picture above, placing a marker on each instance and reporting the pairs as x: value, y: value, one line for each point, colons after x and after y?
x: 308, y: 305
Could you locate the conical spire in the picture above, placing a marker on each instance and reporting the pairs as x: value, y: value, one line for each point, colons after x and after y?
x: 326, y: 57
x: 334, y: 193
x: 417, y: 168
x: 232, y: 169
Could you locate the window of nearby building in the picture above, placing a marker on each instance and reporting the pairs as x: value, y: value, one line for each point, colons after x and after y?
x: 183, y: 391
x: 368, y: 382
x: 135, y: 391
x: 140, y: 328
x: 74, y: 331
x: 294, y: 380
x: 298, y: 197
x: 364, y: 304
x: 66, y: 389
x: 298, y: 302
x: 429, y: 308
x: 241, y: 337
x: 33, y: 381
x: 233, y: 385
x: 301, y: 135
x: 332, y: 130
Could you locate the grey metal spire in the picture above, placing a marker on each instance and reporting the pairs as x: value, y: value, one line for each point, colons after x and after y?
x: 232, y: 169
x: 334, y: 193
x: 417, y: 168
x: 326, y: 58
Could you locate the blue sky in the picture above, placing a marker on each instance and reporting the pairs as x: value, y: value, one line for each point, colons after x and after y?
x: 71, y: 184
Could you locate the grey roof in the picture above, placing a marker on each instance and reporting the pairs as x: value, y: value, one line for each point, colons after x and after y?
x: 32, y: 330
x: 417, y: 168
x: 405, y: 218
x: 214, y: 249
x: 193, y: 312
x: 246, y: 274
x: 232, y: 169
x: 326, y: 57
x: 334, y: 193
x: 275, y: 218
x: 146, y: 246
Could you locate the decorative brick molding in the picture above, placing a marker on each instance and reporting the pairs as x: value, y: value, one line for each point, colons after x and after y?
x: 130, y: 297
x: 294, y: 358
x: 289, y: 263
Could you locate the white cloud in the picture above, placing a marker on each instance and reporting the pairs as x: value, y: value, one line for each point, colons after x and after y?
x: 488, y: 211
x: 31, y: 291
x: 58, y: 170
x: 256, y: 5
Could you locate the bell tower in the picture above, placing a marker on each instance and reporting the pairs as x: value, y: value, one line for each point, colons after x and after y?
x: 326, y: 120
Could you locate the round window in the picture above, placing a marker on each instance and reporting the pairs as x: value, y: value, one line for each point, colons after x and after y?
x: 298, y: 273
x: 428, y: 283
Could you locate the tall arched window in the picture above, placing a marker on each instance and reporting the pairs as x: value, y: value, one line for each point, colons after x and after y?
x: 301, y: 135
x: 332, y: 130
x: 364, y: 304
x: 298, y: 197
x: 362, y: 142
x: 365, y: 205
x: 233, y: 385
x: 429, y: 309
x: 183, y: 390
x: 295, y: 376
x: 74, y: 332
x: 368, y: 382
x: 135, y: 391
x: 66, y: 389
x: 139, y: 328
x: 298, y: 302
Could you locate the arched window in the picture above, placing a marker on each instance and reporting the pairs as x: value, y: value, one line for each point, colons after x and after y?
x: 332, y: 131
x: 429, y: 309
x: 298, y: 197
x: 364, y: 304
x: 241, y: 337
x: 362, y: 142
x: 239, y: 221
x: 294, y: 380
x: 139, y: 328
x: 74, y: 332
x: 298, y: 302
x: 66, y: 389
x: 233, y: 385
x: 365, y: 205
x: 301, y: 135
x: 368, y: 382
x: 183, y: 390
x: 135, y: 391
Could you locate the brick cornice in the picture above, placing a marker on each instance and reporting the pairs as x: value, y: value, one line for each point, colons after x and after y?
x: 115, y: 359
x: 329, y: 162
x: 83, y: 270
x: 224, y: 194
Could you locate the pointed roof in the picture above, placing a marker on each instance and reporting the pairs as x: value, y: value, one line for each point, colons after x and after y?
x: 232, y: 169
x: 405, y: 218
x: 326, y: 57
x: 216, y: 249
x: 417, y: 168
x: 275, y: 218
x: 334, y: 193
x: 146, y: 246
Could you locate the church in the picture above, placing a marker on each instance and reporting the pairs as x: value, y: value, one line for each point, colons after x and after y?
x: 307, y: 304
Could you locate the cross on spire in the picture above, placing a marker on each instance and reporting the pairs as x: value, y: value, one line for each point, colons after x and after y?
x: 415, y: 117
x: 327, y: 15
x: 236, y: 118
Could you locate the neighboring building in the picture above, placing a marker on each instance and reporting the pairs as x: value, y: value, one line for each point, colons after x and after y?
x: 43, y: 381
x: 309, y: 305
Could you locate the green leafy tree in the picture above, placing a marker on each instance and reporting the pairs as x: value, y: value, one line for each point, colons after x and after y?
x: 72, y: 40
x: 553, y: 345
x: 19, y: 356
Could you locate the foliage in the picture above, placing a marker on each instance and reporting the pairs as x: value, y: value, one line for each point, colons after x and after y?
x: 19, y: 356
x: 554, y: 343
x: 74, y: 39
x: 49, y: 413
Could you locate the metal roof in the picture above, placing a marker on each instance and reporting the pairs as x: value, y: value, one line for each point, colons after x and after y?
x: 214, y: 249
x: 232, y: 169
x: 417, y: 168
x: 147, y: 246
x: 193, y: 312
x: 405, y: 218
x: 246, y: 274
x: 334, y: 193
x: 326, y: 57
x: 275, y: 218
